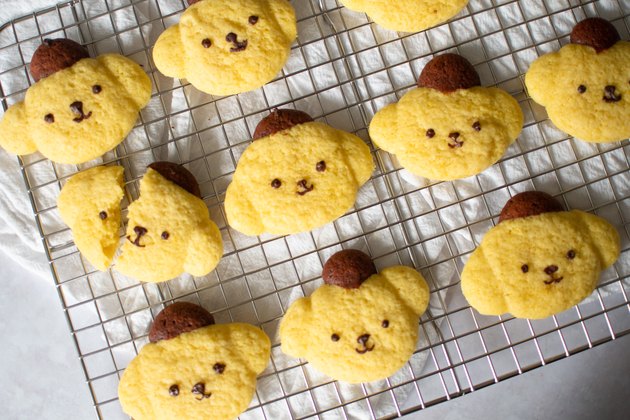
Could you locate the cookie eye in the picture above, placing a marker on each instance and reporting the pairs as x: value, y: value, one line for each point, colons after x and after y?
x: 219, y: 368
x: 49, y: 118
x: 253, y: 20
x: 524, y: 268
x: 476, y: 126
x: 430, y: 133
x: 571, y: 254
x: 385, y: 323
x: 334, y: 337
x: 165, y: 235
x: 206, y: 43
x: 276, y: 183
x: 103, y: 215
x: 96, y: 89
x: 173, y: 391
x: 321, y: 166
x: 581, y: 89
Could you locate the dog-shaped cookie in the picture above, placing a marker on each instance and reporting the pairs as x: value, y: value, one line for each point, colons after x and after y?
x: 585, y: 86
x: 361, y: 325
x: 539, y: 260
x: 448, y: 127
x: 78, y: 112
x: 296, y: 176
x: 193, y: 368
x: 225, y: 47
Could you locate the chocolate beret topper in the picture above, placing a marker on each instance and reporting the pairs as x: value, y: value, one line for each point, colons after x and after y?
x: 348, y: 269
x: 55, y: 55
x: 178, y: 175
x: 596, y: 33
x: 278, y: 120
x: 448, y: 73
x: 179, y: 318
x: 529, y: 203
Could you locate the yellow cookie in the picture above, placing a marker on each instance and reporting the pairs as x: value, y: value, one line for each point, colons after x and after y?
x: 448, y: 132
x: 78, y: 113
x: 207, y: 372
x: 297, y: 179
x: 360, y: 326
x: 169, y: 232
x: 89, y: 204
x: 585, y: 86
x: 407, y: 15
x: 539, y: 265
x: 225, y: 47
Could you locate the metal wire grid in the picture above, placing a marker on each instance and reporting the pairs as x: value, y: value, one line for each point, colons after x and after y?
x: 349, y: 73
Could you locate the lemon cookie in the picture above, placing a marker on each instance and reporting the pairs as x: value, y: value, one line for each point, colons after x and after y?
x: 79, y: 109
x: 169, y: 231
x: 225, y: 47
x: 193, y: 368
x: 361, y: 325
x: 585, y: 86
x: 300, y: 176
x: 539, y: 260
x: 89, y: 204
x: 449, y: 127
x: 407, y: 15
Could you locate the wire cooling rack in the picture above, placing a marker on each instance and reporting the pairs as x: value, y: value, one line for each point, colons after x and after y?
x: 342, y: 69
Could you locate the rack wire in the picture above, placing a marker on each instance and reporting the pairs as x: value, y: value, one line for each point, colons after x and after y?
x: 341, y: 70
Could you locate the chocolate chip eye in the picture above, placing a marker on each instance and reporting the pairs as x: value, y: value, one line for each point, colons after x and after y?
x: 173, y: 391
x: 334, y: 337
x: 276, y: 183
x: 430, y: 133
x: 253, y: 20
x: 103, y: 215
x: 321, y: 166
x: 96, y: 89
x: 385, y: 323
x: 524, y: 268
x: 49, y: 118
x: 571, y: 254
x: 206, y: 43
x: 219, y: 368
x: 165, y: 235
x: 476, y: 126
x: 199, y: 388
x: 581, y: 89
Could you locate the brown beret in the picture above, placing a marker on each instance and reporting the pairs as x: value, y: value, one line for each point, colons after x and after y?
x: 597, y: 33
x: 348, y: 269
x: 278, y: 120
x: 447, y: 73
x: 178, y: 318
x: 54, y: 55
x: 179, y: 175
x: 529, y: 203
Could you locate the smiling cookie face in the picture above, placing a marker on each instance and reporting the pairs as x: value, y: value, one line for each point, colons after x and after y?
x: 408, y: 15
x: 359, y: 334
x: 78, y: 113
x: 536, y: 266
x: 296, y: 180
x: 169, y: 232
x: 225, y: 47
x: 586, y: 87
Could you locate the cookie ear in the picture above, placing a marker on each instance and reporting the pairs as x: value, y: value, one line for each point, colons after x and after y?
x: 543, y: 69
x: 484, y: 292
x: 294, y: 323
x: 358, y: 157
x: 238, y: 207
x: 384, y: 124
x: 14, y: 133
x: 130, y: 75
x: 205, y: 249
x: 252, y: 341
x: 409, y: 286
x: 169, y: 54
x: 284, y: 15
x: 136, y: 395
x: 603, y: 235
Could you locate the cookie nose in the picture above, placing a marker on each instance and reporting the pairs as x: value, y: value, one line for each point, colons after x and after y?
x: 550, y: 269
x: 363, y: 339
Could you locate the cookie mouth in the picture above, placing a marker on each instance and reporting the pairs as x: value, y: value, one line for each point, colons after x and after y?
x: 238, y: 46
x: 553, y: 280
x: 77, y: 108
x: 454, y: 141
x: 611, y: 95
x: 362, y: 340
x: 304, y: 188
x: 140, y: 232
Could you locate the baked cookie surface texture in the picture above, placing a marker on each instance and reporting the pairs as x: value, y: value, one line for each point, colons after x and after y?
x: 89, y: 204
x: 297, y: 179
x: 78, y: 113
x: 225, y: 47
x: 169, y: 232
x: 362, y: 331
x: 534, y: 266
x: 449, y: 127
x: 203, y: 373
x: 585, y: 87
x: 407, y: 15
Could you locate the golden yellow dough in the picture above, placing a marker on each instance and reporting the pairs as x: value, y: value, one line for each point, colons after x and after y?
x: 553, y: 79
x: 125, y: 90
x: 407, y: 15
x: 193, y: 242
x: 494, y: 281
x: 179, y: 51
x: 189, y: 359
x: 89, y: 204
x: 397, y: 294
x: 254, y: 207
x: 401, y: 129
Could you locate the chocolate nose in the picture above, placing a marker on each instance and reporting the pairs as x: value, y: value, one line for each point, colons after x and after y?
x: 550, y: 269
x: 610, y: 94
x: 77, y: 107
x: 454, y: 135
x: 231, y: 37
x: 363, y: 339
